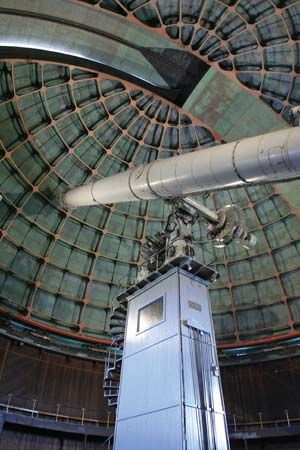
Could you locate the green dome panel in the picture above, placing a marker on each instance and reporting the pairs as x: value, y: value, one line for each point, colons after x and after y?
x: 255, y: 42
x: 61, y: 127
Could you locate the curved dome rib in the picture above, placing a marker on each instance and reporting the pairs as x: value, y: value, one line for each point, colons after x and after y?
x: 62, y: 126
x: 256, y: 43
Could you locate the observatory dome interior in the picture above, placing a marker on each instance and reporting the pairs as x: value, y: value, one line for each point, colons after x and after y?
x: 90, y: 88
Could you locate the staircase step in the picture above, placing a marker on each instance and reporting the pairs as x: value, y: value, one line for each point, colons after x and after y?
x: 118, y: 341
x: 122, y: 308
x: 108, y: 386
x: 108, y: 394
x: 118, y: 316
x: 112, y: 403
x: 122, y: 299
x: 112, y: 378
x: 114, y: 370
x: 117, y: 323
x: 113, y: 326
x: 117, y: 332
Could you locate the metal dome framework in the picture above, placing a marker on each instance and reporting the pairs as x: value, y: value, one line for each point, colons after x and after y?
x: 254, y: 42
x: 62, y: 126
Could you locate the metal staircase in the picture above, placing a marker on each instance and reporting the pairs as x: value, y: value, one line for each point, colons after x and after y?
x: 117, y: 325
x: 113, y: 361
x: 172, y: 247
x: 108, y: 444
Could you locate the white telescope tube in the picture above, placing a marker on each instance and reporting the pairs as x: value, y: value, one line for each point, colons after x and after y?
x: 267, y: 158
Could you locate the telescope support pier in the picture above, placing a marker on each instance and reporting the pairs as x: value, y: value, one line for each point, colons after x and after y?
x: 170, y: 392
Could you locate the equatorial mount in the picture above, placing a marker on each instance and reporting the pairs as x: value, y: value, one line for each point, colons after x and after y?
x: 176, y: 240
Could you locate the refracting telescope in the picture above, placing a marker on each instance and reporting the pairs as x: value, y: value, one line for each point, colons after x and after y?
x: 268, y: 158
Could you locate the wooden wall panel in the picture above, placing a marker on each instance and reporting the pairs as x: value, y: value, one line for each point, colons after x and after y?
x: 11, y: 439
x: 75, y: 444
x: 29, y: 373
x: 17, y: 439
x: 269, y: 387
x: 25, y: 371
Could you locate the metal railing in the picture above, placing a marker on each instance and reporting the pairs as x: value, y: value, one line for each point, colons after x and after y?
x: 108, y: 444
x: 125, y: 282
x: 237, y: 423
x: 57, y: 413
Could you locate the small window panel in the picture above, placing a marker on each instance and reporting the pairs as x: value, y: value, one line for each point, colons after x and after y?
x: 150, y: 315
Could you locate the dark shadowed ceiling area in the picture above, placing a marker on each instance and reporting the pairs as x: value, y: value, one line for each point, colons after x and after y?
x: 84, y: 110
x: 256, y: 41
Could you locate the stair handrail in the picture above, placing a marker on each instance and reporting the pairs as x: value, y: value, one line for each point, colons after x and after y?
x: 108, y: 441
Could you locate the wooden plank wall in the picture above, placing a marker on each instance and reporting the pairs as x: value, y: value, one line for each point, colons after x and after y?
x: 30, y: 373
x: 268, y: 387
x: 12, y: 439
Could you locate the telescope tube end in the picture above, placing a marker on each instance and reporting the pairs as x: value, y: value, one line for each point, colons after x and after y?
x: 63, y: 203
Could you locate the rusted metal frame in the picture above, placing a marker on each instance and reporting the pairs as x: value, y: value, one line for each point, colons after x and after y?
x: 91, y: 132
x: 87, y: 225
x: 35, y: 284
x: 278, y: 12
x: 248, y: 282
x: 71, y: 23
x: 126, y: 261
x: 252, y: 205
x: 262, y: 252
x: 228, y: 285
x: 144, y: 232
x: 40, y: 258
x: 78, y: 110
x: 141, y: 113
x: 254, y: 306
x: 265, y: 340
x: 294, y: 211
x: 43, y: 263
x: 128, y: 86
x: 58, y: 331
x: 277, y: 274
x: 92, y: 274
x: 265, y: 330
x: 4, y: 233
